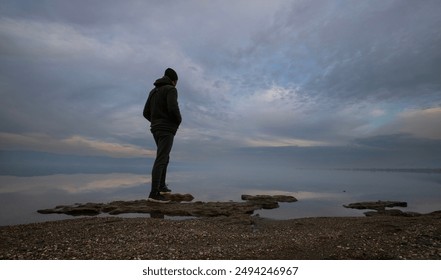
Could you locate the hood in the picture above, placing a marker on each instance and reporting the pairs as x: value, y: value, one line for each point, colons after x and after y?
x: 163, y: 82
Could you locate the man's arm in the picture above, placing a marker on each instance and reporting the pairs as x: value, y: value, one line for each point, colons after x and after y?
x: 147, y: 113
x: 173, y: 107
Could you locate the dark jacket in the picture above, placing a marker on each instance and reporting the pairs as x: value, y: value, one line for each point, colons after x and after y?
x: 161, y: 108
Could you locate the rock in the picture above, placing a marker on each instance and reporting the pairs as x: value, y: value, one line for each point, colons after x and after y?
x: 391, y: 212
x: 76, y: 210
x: 269, y: 198
x: 268, y: 201
x: 376, y: 205
x: 380, y: 207
x: 178, y: 197
x: 174, y: 208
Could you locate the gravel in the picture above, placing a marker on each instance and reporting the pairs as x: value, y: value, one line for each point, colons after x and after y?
x: 225, y: 238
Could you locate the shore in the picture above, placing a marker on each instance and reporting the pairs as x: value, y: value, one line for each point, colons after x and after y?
x: 383, y: 237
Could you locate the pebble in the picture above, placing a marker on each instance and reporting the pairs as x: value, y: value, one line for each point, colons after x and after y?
x: 219, y: 238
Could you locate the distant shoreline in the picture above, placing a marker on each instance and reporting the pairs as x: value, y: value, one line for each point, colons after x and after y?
x: 403, y: 170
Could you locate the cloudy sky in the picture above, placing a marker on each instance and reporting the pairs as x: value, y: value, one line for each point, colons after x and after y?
x: 263, y: 78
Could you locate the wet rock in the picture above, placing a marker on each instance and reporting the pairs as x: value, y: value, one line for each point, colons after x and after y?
x: 391, y: 212
x: 376, y: 205
x: 179, y: 206
x: 269, y: 198
x: 177, y: 197
x: 380, y: 208
x: 76, y: 210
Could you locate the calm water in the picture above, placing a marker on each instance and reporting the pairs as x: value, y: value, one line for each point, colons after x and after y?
x: 320, y: 192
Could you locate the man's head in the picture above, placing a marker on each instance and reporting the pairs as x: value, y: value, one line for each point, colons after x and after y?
x: 171, y: 74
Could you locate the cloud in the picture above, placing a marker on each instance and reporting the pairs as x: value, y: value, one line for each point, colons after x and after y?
x: 380, y: 151
x: 355, y: 51
x: 62, y: 80
x: 76, y: 145
x: 325, y: 72
x: 424, y: 123
x: 82, y: 144
x: 280, y: 142
x: 278, y: 116
x: 48, y: 39
x: 275, y: 73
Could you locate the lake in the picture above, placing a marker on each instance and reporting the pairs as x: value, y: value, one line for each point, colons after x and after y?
x: 320, y: 192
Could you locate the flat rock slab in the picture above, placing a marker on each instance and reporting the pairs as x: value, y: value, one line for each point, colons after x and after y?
x: 177, y: 197
x: 174, y: 208
x: 391, y: 212
x: 269, y: 198
x: 376, y: 205
x: 379, y: 208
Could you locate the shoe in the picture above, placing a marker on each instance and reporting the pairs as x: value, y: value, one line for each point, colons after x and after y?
x: 158, y: 198
x: 164, y: 190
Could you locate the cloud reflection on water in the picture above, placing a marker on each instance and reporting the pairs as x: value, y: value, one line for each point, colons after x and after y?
x: 71, y: 183
x: 319, y: 192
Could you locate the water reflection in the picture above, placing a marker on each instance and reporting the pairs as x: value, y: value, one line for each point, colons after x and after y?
x: 320, y: 192
x: 71, y: 183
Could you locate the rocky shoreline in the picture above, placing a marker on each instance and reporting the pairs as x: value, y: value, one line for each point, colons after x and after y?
x: 223, y: 230
x: 381, y: 237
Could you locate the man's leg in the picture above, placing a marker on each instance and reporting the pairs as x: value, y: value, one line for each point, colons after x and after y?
x: 162, y: 183
x: 164, y: 143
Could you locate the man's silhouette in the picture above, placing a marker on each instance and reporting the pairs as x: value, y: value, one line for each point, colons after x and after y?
x: 162, y: 111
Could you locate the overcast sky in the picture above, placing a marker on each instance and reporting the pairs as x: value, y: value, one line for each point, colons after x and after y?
x: 314, y: 75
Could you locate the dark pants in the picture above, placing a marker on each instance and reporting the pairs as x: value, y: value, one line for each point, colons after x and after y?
x: 164, y: 143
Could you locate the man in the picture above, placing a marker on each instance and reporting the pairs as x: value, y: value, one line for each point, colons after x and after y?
x: 162, y: 111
